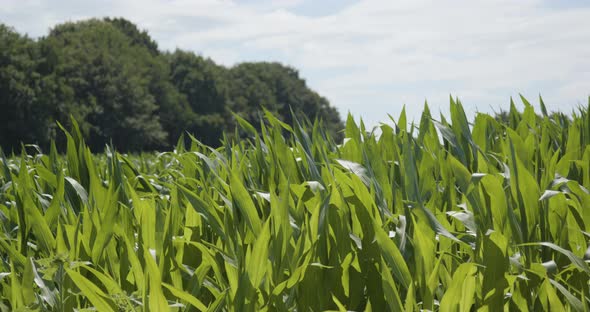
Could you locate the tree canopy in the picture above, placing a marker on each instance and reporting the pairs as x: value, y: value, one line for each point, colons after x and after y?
x: 122, y: 89
x: 24, y: 114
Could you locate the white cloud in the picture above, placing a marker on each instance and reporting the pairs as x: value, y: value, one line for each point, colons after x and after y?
x: 373, y: 55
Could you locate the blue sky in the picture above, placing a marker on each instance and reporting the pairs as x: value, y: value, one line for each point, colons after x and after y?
x: 371, y: 57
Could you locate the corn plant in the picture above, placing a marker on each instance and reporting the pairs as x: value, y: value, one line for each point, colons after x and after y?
x: 445, y: 215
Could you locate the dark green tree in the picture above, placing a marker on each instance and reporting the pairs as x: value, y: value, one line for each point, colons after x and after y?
x: 111, y: 77
x: 279, y: 89
x: 138, y: 37
x: 104, y: 82
x: 204, y: 86
x: 173, y: 110
x: 24, y: 118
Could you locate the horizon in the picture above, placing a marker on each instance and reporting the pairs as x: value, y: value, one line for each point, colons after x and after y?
x: 370, y: 58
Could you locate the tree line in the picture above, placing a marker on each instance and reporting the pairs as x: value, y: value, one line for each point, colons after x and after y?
x: 120, y: 87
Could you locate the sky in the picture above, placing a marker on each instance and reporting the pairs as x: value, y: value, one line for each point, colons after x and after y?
x: 371, y: 57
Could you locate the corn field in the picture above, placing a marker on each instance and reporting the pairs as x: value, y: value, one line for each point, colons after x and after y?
x: 445, y: 215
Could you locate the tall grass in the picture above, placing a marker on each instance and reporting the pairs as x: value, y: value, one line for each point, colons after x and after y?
x: 447, y: 215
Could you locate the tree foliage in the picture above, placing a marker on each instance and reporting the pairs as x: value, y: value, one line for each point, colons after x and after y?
x: 112, y: 78
x: 24, y: 116
x: 203, y: 85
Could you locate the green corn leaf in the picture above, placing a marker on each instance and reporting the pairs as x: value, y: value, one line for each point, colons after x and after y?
x: 245, y: 203
x: 579, y: 263
x: 185, y: 297
x: 96, y: 296
x: 393, y: 257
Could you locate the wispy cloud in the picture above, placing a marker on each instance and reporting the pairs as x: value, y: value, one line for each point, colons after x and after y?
x: 369, y: 57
